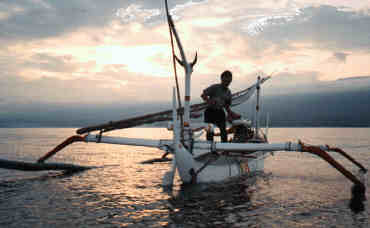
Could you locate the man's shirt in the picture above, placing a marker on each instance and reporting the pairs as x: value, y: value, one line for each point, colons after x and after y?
x: 220, y: 94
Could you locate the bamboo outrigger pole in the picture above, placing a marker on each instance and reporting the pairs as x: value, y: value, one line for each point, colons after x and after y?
x: 29, y: 166
x: 68, y: 141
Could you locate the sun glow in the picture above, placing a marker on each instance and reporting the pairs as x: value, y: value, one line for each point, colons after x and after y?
x: 139, y: 59
x: 145, y: 60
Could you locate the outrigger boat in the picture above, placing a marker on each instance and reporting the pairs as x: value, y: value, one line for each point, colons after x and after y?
x: 197, y: 160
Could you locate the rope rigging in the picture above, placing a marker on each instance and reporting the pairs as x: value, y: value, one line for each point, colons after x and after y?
x: 175, y: 70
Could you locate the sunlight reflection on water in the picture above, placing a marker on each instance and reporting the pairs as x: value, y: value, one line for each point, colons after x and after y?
x: 298, y: 190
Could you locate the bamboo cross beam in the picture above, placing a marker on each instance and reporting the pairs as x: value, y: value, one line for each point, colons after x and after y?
x: 29, y: 166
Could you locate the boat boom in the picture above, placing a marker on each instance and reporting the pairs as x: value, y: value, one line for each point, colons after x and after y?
x: 157, y: 143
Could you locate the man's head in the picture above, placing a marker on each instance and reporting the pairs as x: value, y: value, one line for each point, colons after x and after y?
x: 226, y: 78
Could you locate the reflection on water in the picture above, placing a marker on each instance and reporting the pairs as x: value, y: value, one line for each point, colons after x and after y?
x: 296, y: 190
x: 305, y: 191
x: 122, y: 192
x: 215, y: 204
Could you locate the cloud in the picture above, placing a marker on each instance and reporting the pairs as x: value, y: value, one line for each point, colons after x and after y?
x: 51, y: 63
x: 325, y: 27
x: 341, y: 56
x: 119, y: 51
x: 39, y: 19
x: 136, y: 12
x: 102, y: 88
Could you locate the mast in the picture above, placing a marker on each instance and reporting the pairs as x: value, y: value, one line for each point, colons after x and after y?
x: 188, y: 67
x: 187, y: 129
x: 257, y: 108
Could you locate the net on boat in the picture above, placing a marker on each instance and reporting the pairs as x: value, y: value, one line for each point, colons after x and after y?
x: 195, y: 112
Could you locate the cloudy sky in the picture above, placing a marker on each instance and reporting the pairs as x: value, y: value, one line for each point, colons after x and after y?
x: 99, y: 52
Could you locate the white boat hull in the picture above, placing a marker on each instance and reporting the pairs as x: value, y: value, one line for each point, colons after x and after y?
x: 213, y: 167
x: 218, y: 170
x: 225, y: 167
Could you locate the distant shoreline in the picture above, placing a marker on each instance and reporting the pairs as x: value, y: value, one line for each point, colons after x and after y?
x: 276, y: 126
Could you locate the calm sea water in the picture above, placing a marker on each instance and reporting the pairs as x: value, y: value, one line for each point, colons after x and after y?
x: 297, y: 190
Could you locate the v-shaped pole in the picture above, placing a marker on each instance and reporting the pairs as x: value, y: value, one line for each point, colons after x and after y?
x: 188, y: 67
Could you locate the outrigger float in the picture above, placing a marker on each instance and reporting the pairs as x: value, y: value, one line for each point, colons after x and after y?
x: 196, y: 160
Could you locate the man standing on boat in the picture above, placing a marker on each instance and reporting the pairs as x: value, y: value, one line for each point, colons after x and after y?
x: 218, y: 97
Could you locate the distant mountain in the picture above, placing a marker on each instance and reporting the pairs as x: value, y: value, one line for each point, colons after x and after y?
x: 337, y: 109
x: 52, y: 115
x: 354, y: 78
x: 329, y: 109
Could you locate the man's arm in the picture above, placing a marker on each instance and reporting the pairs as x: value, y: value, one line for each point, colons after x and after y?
x: 206, y: 97
x: 228, y: 103
x: 230, y: 114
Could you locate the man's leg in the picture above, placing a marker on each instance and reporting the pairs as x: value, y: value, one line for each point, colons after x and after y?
x: 209, y: 136
x: 223, y: 132
x: 221, y: 124
x: 208, y: 118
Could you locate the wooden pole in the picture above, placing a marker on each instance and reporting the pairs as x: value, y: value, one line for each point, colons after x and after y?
x: 29, y: 166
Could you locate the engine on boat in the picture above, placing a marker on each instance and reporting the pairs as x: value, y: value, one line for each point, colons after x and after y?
x: 242, y: 131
